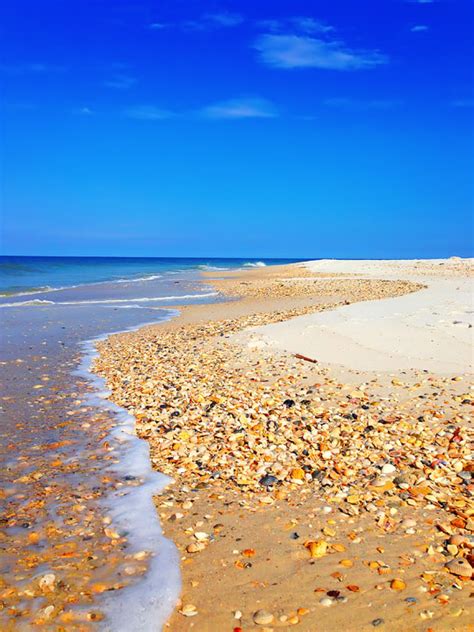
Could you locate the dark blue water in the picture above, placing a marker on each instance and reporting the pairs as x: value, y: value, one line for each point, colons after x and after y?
x: 20, y: 275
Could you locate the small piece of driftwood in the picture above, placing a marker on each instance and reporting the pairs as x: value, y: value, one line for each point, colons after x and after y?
x: 302, y: 357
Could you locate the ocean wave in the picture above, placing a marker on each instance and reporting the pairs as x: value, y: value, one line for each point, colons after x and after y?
x: 210, y: 268
x: 110, y: 301
x: 47, y: 288
x: 33, y: 290
x: 255, y: 264
x: 150, y: 277
x: 34, y: 301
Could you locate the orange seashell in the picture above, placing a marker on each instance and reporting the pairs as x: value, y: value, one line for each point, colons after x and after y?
x: 397, y: 584
x: 297, y: 474
x: 317, y: 549
x: 340, y: 548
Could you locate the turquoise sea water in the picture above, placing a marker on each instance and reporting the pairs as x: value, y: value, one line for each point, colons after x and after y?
x: 19, y: 275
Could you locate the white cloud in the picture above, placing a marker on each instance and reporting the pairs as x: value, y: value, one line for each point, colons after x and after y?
x: 120, y: 82
x: 295, y: 51
x: 419, y: 28
x: 300, y: 24
x: 242, y: 108
x: 310, y: 25
x: 147, y: 113
x: 157, y: 26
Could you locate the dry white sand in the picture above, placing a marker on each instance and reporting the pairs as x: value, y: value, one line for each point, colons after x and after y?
x: 431, y: 329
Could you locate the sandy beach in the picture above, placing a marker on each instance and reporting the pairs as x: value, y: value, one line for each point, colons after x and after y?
x: 317, y: 428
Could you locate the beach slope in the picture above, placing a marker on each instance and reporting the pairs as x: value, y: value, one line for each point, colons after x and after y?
x: 319, y: 485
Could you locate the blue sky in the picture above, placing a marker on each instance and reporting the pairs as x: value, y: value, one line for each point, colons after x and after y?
x: 301, y: 129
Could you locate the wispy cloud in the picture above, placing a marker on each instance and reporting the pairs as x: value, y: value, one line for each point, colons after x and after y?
x: 297, y: 51
x: 157, y: 26
x: 299, y: 24
x: 224, y: 19
x: 362, y: 104
x: 419, y: 28
x: 310, y: 25
x: 241, y: 108
x: 147, y: 113
x: 463, y: 103
x: 120, y: 82
x: 211, y: 21
x: 33, y: 68
x: 83, y: 111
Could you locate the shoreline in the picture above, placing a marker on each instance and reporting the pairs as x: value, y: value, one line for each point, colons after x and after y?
x: 241, y: 506
x: 138, y: 602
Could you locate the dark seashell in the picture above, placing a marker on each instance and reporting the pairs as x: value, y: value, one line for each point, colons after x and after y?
x: 268, y: 480
x: 377, y: 622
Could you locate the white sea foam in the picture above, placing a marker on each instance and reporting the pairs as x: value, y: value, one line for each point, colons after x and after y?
x: 32, y: 302
x: 255, y: 264
x: 110, y: 301
x: 146, y: 605
x: 210, y: 268
x: 48, y: 288
x: 151, y: 277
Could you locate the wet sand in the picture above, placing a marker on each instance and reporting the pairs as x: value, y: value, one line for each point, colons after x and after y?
x: 78, y: 529
x: 60, y: 553
x: 305, y: 494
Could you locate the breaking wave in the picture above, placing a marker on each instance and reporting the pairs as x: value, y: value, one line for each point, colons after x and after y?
x: 255, y: 264
x: 210, y: 268
x: 48, y: 288
x: 111, y: 301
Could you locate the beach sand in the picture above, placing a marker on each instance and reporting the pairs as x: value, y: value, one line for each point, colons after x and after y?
x: 322, y: 492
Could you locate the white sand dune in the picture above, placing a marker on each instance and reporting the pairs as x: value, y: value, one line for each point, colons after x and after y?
x: 432, y: 329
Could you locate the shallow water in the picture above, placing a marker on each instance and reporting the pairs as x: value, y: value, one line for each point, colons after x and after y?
x: 81, y: 542
x: 31, y: 274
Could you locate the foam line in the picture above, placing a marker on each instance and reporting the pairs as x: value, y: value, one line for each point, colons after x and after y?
x: 146, y: 605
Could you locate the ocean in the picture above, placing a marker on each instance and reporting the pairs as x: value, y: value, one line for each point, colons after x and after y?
x: 69, y: 459
x: 39, y: 275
